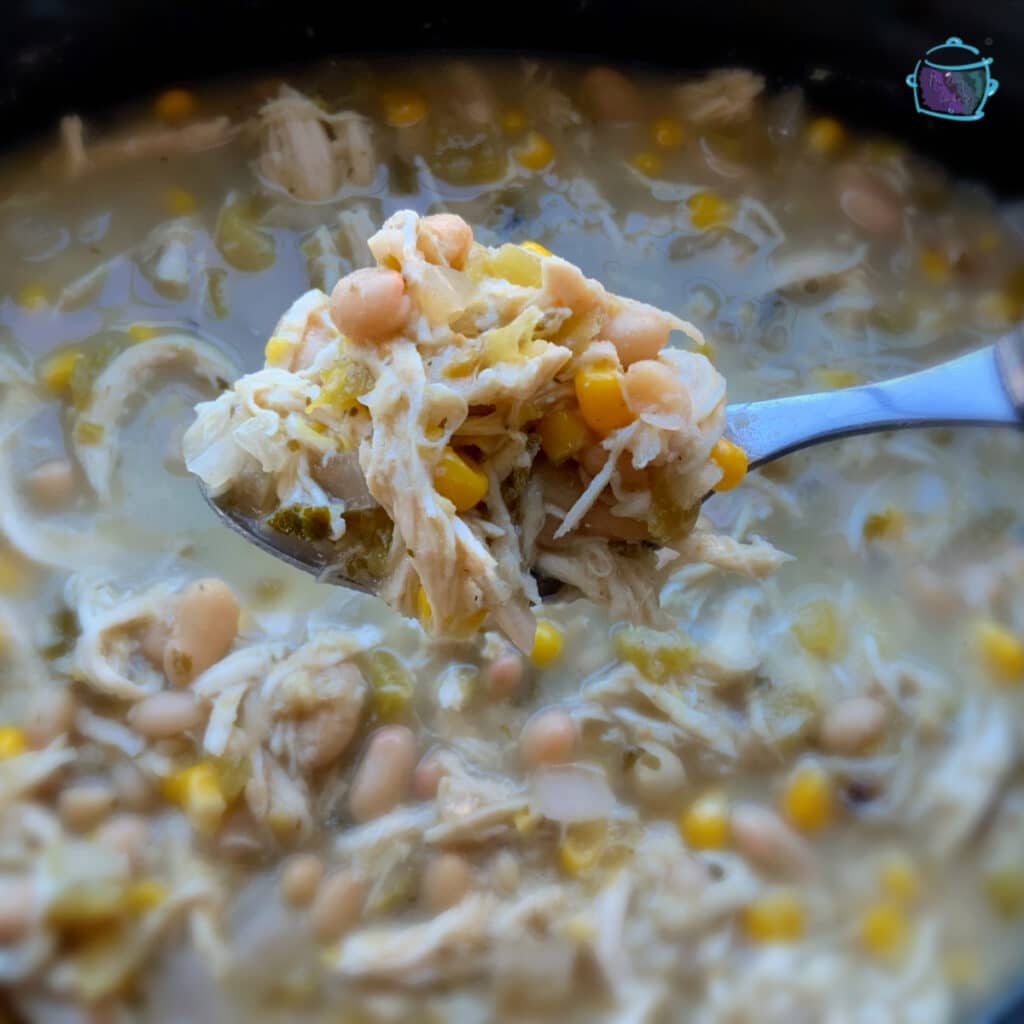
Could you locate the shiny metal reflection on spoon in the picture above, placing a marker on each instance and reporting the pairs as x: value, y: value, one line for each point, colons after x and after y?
x: 983, y: 388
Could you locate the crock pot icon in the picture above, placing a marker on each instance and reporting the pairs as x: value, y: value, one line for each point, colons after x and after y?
x: 952, y: 81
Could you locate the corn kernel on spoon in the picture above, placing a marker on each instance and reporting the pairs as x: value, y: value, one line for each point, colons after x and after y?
x: 985, y: 387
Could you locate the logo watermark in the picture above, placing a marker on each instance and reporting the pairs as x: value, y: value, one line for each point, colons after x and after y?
x: 953, y: 81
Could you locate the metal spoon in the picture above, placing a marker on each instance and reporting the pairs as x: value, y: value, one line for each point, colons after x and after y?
x: 985, y: 387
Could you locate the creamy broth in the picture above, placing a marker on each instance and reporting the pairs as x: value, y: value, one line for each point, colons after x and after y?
x: 810, y: 809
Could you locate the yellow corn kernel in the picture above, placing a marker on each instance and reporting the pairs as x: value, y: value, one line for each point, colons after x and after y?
x: 562, y: 434
x: 602, y: 404
x: 705, y: 823
x: 536, y: 152
x: 816, y: 628
x: 278, y: 352
x: 144, y: 895
x: 647, y: 163
x: 898, y: 878
x: 526, y: 821
x: 12, y: 742
x: 535, y: 247
x: 55, y: 371
x: 32, y: 296
x: 990, y: 240
x: 547, y: 644
x: 404, y: 108
x: 581, y: 846
x: 998, y: 307
x: 1001, y: 652
x: 832, y: 378
x: 460, y: 480
x: 580, y: 929
x: 962, y: 968
x: 775, y: 917
x: 197, y: 791
x: 935, y: 265
x: 12, y: 572
x: 808, y: 800
x: 708, y: 210
x: 425, y: 614
x: 513, y: 121
x: 883, y: 149
x: 884, y: 930
x: 731, y: 459
x: 888, y: 522
x: 175, y: 105
x: 142, y: 332
x: 1004, y: 890
x: 423, y: 610
x: 179, y: 201
x: 825, y: 135
x: 668, y: 132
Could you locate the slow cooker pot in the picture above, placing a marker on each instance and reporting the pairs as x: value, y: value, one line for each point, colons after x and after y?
x: 852, y: 59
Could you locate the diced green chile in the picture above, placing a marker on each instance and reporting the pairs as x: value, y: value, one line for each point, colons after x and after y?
x: 239, y: 238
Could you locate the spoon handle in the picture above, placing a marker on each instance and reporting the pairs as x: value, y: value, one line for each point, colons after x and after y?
x: 983, y: 387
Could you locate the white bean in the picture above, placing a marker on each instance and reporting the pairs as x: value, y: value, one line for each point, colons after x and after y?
x: 336, y: 906
x: 637, y: 332
x: 126, y: 833
x: 600, y: 522
x: 610, y: 96
x: 852, y: 725
x: 504, y: 674
x: 165, y: 714
x: 83, y: 805
x: 870, y: 203
x: 592, y: 459
x: 205, y: 626
x: 52, y: 482
x: 652, y: 388
x: 134, y: 791
x: 428, y: 775
x: 153, y: 641
x: 51, y: 713
x: 549, y: 737
x: 941, y: 598
x: 471, y: 95
x: 300, y: 878
x: 768, y: 842
x: 370, y: 304
x: 17, y: 908
x: 445, y: 238
x: 241, y: 838
x: 384, y: 774
x: 506, y: 873
x: 446, y: 880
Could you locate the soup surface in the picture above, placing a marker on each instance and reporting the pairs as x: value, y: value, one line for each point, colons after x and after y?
x: 228, y: 792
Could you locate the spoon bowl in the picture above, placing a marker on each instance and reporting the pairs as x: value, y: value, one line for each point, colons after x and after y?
x: 982, y: 388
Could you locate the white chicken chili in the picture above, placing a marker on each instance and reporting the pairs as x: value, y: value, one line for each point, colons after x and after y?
x: 758, y: 760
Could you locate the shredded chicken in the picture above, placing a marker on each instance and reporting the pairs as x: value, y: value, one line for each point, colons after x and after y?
x: 77, y: 158
x: 488, y: 350
x: 309, y: 153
